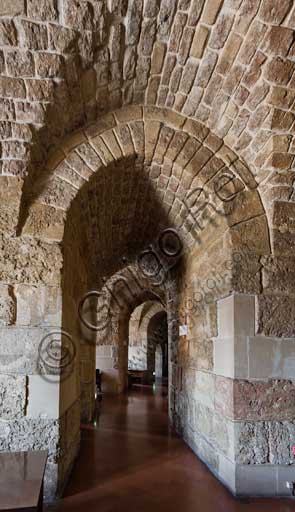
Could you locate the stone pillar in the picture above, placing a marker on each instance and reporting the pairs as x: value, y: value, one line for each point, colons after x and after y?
x: 253, y: 397
x: 39, y: 409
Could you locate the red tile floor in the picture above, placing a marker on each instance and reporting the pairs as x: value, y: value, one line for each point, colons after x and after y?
x: 131, y: 461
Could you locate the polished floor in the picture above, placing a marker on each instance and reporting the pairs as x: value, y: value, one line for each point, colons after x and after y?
x: 131, y: 461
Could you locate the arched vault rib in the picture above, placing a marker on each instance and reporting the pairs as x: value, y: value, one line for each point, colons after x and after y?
x: 177, y: 155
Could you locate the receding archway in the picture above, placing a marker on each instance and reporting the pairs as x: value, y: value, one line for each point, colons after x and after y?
x: 109, y: 194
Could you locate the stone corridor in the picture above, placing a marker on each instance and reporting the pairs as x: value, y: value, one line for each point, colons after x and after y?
x: 155, y: 470
x: 147, y: 184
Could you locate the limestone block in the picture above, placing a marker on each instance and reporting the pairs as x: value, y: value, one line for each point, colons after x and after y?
x: 35, y: 35
x: 253, y: 234
x: 62, y: 39
x: 45, y: 10
x: 206, y: 68
x: 8, y: 33
x: 203, y: 449
x: 278, y: 275
x: 273, y: 13
x: 13, y: 395
x: 19, y: 350
x: 42, y: 398
x: 223, y: 435
x: 235, y: 315
x: 265, y: 442
x: 7, y: 305
x: 185, y: 45
x: 11, y: 7
x: 223, y: 396
x: 199, y: 41
x: 256, y: 480
x: 133, y: 21
x: 49, y: 65
x: 230, y: 357
x: 212, y: 8
x: 20, y: 64
x: 275, y: 316
x: 221, y: 31
x: 271, y: 358
x: 256, y: 400
x: 32, y: 434
x: 201, y: 353
x: 284, y: 474
x: 38, y: 306
x: 45, y: 221
x: 279, y: 71
x: 12, y: 88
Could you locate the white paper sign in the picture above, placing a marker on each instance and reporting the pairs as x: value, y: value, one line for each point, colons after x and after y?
x: 183, y: 330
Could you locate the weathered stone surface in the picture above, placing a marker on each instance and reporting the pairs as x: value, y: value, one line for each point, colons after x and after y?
x: 10, y: 196
x: 269, y: 400
x: 35, y: 36
x: 7, y: 305
x: 20, y: 64
x: 17, y: 256
x: 12, y: 87
x: 211, y: 10
x: 148, y: 32
x: 45, y: 10
x: 271, y: 12
x: 206, y: 69
x: 66, y: 63
x: 278, y: 275
x: 11, y: 7
x: 38, y: 305
x: 265, y: 442
x: 133, y: 21
x: 8, y: 33
x: 276, y: 316
x: 221, y: 31
x: 278, y: 41
x: 199, y: 41
x: 29, y: 434
x: 201, y: 353
x: 13, y: 397
x: 62, y: 39
x: 166, y: 14
x: 280, y: 71
x: 49, y: 65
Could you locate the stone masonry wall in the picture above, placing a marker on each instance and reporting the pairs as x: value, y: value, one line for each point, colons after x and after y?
x: 188, y: 88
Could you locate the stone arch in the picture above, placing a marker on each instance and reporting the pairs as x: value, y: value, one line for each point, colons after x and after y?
x: 158, y: 346
x: 175, y: 155
x: 114, y: 338
x: 154, y: 137
x: 139, y: 140
x: 141, y: 348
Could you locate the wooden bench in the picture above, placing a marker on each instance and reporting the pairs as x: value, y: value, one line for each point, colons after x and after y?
x: 21, y: 480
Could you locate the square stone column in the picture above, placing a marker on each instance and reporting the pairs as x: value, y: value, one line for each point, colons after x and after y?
x: 254, y: 385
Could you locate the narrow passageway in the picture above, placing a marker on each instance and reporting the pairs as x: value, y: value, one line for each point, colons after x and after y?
x: 130, y: 460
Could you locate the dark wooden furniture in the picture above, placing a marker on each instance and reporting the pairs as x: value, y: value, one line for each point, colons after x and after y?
x: 21, y: 480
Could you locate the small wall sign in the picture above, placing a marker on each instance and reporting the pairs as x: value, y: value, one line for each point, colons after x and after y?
x: 183, y: 330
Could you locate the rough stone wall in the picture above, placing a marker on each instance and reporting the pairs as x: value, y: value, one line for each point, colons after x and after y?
x: 227, y: 66
x: 226, y: 63
x: 233, y: 369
